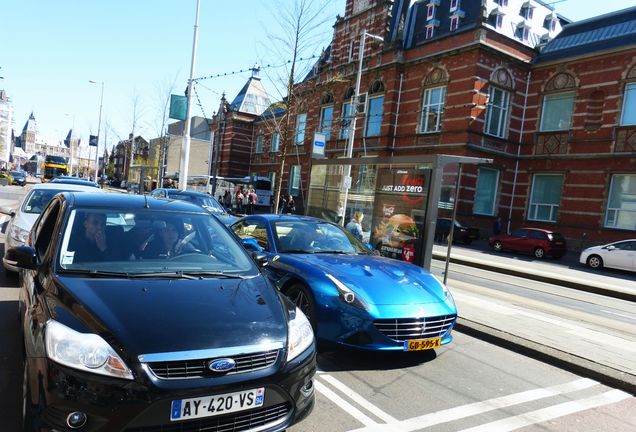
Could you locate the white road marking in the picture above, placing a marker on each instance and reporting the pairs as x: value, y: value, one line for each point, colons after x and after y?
x: 346, y: 406
x: 460, y: 412
x: 573, y: 329
x: 545, y: 414
x: 359, y: 399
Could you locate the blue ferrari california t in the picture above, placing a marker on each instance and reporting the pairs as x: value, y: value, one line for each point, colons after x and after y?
x: 351, y: 296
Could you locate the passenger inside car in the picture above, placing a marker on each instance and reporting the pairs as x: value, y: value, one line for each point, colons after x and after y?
x: 170, y: 241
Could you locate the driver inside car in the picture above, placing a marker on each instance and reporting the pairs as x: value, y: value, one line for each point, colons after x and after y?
x: 170, y: 241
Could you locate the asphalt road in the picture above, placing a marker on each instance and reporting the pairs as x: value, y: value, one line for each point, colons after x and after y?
x: 469, y: 385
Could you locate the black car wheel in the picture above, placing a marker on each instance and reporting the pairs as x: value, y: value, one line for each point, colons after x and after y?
x: 595, y: 262
x: 539, y: 253
x: 497, y: 246
x: 300, y: 295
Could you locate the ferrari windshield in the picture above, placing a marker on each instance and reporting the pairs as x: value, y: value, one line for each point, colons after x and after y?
x: 301, y: 236
x: 147, y: 241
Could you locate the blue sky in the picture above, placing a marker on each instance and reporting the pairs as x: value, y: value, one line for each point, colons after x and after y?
x: 49, y: 50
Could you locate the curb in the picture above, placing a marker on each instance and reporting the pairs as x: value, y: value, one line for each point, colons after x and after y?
x: 621, y: 295
x: 563, y: 360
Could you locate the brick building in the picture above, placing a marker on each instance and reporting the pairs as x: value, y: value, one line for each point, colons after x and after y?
x: 552, y: 103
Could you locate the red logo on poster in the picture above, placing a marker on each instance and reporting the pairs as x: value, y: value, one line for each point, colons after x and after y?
x: 413, y: 185
x: 408, y: 253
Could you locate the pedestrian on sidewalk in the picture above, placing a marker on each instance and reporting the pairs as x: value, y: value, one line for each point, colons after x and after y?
x: 496, y: 226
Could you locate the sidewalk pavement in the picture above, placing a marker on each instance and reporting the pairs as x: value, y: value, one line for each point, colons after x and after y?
x: 553, y: 334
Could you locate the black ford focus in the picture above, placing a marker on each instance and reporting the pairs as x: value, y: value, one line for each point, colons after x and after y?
x: 147, y: 315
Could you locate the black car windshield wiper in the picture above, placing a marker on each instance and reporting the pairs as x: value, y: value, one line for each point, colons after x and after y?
x: 200, y: 274
x: 298, y: 251
x: 136, y: 275
x: 335, y: 252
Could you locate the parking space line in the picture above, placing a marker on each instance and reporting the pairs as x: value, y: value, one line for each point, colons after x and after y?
x: 347, y: 391
x: 545, y: 414
x: 476, y: 408
x: 346, y: 406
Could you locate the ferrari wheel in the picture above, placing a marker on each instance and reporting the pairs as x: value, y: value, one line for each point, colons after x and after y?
x: 300, y: 295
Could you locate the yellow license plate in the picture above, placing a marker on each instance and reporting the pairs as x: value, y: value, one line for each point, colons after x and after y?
x: 422, y: 344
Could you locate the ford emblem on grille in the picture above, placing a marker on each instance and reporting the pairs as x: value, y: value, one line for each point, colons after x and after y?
x: 222, y: 365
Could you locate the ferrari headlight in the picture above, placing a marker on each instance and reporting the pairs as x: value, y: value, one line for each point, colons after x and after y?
x: 84, y: 351
x: 301, y: 335
x: 18, y: 234
x: 346, y: 294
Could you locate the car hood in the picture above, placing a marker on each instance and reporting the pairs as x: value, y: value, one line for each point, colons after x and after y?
x: 25, y: 220
x: 379, y: 280
x: 144, y: 316
x: 598, y: 248
x: 226, y: 219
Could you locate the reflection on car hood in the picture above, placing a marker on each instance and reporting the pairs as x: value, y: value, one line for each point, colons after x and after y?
x: 25, y: 220
x: 380, y: 281
x: 158, y: 315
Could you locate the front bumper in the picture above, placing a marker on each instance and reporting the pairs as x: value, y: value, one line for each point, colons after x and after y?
x: 144, y: 405
x: 353, y: 327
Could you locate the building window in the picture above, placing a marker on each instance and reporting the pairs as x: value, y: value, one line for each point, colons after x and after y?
x: 486, y: 192
x: 502, y: 2
x: 429, y: 32
x: 301, y: 122
x: 545, y: 197
x: 454, y: 23
x: 374, y: 116
x: 556, y: 112
x: 495, y: 20
x: 326, y: 118
x: 259, y: 144
x: 526, y: 12
x: 294, y: 180
x: 629, y: 105
x: 432, y: 109
x: 621, y: 203
x: 522, y: 33
x: 275, y: 142
x: 351, y: 50
x: 430, y: 11
x: 272, y: 178
x: 454, y: 4
x: 345, y: 123
x: 497, y: 112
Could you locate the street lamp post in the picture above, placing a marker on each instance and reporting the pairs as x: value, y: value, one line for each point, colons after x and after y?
x: 99, y: 126
x: 346, y: 181
x: 185, y: 150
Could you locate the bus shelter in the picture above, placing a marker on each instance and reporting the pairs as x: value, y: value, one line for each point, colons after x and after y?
x: 398, y: 197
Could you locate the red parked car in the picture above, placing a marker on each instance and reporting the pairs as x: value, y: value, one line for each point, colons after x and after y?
x: 539, y: 242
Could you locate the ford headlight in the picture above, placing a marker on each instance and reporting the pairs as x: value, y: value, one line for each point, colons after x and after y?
x: 18, y: 234
x: 84, y: 351
x: 346, y: 294
x: 301, y: 335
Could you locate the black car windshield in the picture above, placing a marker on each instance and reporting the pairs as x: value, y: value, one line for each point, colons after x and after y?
x: 315, y: 237
x: 150, y: 241
x: 38, y: 199
x: 208, y: 203
x: 17, y: 174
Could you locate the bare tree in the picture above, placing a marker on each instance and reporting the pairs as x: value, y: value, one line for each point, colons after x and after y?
x: 299, y: 28
x: 162, y: 103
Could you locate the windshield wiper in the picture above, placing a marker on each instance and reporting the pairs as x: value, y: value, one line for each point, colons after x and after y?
x: 126, y: 275
x: 203, y: 273
x: 335, y: 252
x: 297, y: 251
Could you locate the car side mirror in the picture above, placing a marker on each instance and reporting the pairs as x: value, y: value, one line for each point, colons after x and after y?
x: 368, y: 246
x: 259, y: 257
x: 22, y: 256
x: 7, y: 210
x: 611, y: 247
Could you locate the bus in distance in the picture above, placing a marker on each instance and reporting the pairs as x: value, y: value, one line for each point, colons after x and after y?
x: 54, y: 166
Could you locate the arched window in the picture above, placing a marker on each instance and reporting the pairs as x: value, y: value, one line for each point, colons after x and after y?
x: 558, y: 103
x: 375, y: 109
x: 433, y: 101
x: 346, y: 113
x: 326, y: 115
x: 628, y: 115
x: 498, y: 107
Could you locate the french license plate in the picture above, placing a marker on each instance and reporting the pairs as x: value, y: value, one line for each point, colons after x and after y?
x: 208, y: 406
x: 422, y: 344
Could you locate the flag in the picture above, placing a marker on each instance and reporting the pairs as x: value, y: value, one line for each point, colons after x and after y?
x: 92, y: 140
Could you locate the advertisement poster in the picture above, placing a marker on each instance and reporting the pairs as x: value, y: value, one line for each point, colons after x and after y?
x: 399, y: 210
